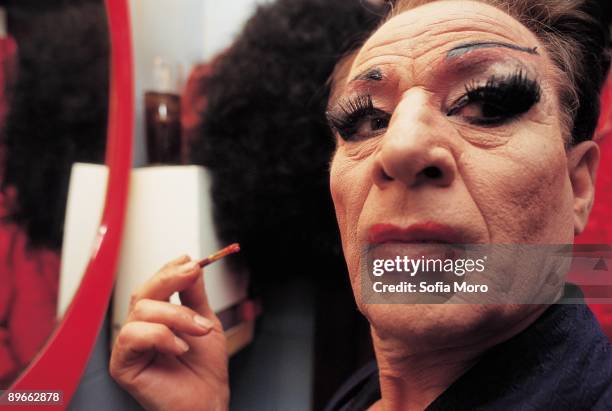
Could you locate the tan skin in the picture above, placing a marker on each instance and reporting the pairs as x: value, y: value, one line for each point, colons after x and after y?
x: 512, y: 183
x: 172, y: 357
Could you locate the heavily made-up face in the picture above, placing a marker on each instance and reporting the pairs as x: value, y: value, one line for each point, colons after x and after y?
x: 449, y: 130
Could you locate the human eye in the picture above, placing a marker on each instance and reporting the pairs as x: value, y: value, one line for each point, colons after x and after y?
x: 499, y: 101
x: 357, y: 118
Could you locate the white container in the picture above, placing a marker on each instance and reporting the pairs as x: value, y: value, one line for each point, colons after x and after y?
x: 170, y: 214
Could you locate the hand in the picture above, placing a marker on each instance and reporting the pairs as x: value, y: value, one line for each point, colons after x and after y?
x: 168, y: 356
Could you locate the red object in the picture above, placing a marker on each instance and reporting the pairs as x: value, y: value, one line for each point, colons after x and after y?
x: 29, y: 292
x: 61, y: 363
x: 193, y: 104
x: 604, y: 126
x: 29, y: 277
x: 429, y: 231
x: 599, y: 229
x: 8, y: 54
x: 8, y: 62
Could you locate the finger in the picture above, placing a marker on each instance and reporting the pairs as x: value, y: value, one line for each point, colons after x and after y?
x: 195, y: 297
x: 173, y: 277
x: 177, y: 261
x: 176, y: 317
x: 138, y: 339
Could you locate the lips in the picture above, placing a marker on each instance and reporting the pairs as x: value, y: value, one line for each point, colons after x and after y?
x: 428, y: 232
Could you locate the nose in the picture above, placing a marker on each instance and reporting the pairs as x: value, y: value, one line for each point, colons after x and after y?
x: 415, y: 149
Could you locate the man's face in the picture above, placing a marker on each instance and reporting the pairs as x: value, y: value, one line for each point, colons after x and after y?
x: 449, y: 118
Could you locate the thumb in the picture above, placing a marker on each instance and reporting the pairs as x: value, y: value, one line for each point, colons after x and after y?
x: 195, y: 297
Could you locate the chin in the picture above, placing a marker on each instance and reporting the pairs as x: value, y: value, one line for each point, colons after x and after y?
x: 441, y: 325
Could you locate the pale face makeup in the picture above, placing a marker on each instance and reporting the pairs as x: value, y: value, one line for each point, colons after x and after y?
x: 449, y: 115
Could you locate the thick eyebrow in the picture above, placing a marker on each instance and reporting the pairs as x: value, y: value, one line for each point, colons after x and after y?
x: 467, y: 47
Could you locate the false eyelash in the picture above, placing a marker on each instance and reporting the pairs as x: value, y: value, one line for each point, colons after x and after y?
x: 515, y: 93
x: 349, y: 111
x: 515, y: 82
x: 347, y: 117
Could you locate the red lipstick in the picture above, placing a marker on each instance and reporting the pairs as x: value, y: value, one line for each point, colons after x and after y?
x: 428, y: 232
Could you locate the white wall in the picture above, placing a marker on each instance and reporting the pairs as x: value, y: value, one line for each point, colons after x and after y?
x: 183, y: 32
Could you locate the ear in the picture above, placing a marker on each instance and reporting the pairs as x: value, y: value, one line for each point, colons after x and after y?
x: 583, y: 160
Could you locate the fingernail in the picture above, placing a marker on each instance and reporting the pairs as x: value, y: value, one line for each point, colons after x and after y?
x: 182, y: 344
x: 203, y: 322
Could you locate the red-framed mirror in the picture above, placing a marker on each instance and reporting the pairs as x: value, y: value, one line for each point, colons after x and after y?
x: 59, y: 365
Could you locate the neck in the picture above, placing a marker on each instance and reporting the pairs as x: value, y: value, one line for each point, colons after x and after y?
x: 411, y: 379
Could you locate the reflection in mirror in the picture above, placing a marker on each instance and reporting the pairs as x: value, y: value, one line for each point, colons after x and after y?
x: 54, y: 79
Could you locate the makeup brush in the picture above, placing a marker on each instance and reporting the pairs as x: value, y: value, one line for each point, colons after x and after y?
x: 230, y: 249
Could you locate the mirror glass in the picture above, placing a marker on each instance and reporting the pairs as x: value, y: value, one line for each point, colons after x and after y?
x: 54, y: 82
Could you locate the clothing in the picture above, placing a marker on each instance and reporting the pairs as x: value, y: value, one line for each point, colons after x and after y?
x: 28, y: 299
x: 563, y: 361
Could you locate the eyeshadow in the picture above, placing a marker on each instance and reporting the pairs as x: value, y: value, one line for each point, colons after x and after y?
x: 373, y: 74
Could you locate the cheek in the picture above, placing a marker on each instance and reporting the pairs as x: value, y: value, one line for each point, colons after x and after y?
x: 526, y: 197
x: 349, y: 185
x: 337, y: 186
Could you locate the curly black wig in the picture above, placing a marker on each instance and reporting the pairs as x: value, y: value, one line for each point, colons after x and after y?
x: 58, y: 109
x: 264, y: 136
x: 265, y: 139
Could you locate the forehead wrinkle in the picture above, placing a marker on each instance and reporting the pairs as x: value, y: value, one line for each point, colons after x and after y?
x: 426, y: 58
x: 353, y: 81
x: 399, y: 69
x: 387, y: 60
x: 440, y: 47
x: 413, y: 29
x: 431, y: 43
x: 474, y: 25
